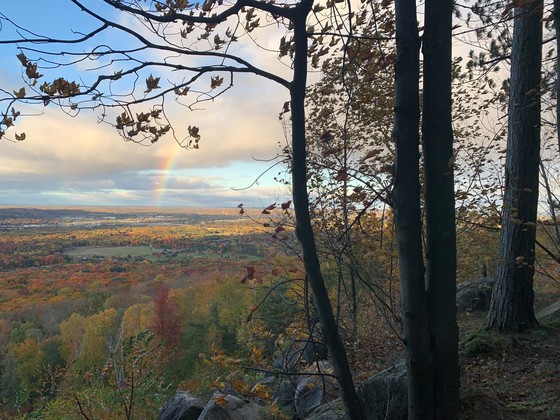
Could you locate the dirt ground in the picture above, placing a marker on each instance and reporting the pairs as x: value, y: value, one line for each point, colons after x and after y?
x: 503, y: 376
x: 513, y: 376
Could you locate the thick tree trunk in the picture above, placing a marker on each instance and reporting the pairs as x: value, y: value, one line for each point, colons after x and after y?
x: 511, y: 306
x: 441, y: 258
x: 406, y: 206
x: 304, y: 229
x: 557, y: 29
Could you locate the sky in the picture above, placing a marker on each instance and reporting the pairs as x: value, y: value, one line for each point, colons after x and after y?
x: 77, y: 161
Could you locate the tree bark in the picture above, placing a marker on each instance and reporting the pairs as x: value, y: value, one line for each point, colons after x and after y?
x: 441, y: 258
x: 406, y: 206
x: 511, y: 306
x: 304, y: 230
x: 557, y: 30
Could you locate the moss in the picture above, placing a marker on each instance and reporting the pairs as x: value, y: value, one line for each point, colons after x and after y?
x: 552, y: 325
x: 553, y: 412
x: 543, y: 331
x: 539, y: 334
x: 479, y: 343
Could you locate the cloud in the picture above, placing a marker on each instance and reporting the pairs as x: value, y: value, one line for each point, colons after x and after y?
x: 77, y: 160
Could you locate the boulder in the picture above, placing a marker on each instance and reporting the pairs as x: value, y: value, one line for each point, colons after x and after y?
x: 226, y: 388
x: 333, y: 410
x: 229, y: 407
x: 288, y: 360
x: 550, y: 313
x: 285, y: 394
x: 182, y: 406
x: 308, y: 396
x: 308, y: 351
x: 474, y: 295
x: 385, y: 395
x: 314, y: 351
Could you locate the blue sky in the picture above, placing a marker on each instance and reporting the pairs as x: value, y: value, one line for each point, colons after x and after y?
x: 77, y: 161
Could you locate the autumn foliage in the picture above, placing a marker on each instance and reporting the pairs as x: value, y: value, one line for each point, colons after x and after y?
x: 166, y: 322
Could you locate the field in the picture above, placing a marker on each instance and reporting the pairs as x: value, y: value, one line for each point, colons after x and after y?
x: 117, y: 251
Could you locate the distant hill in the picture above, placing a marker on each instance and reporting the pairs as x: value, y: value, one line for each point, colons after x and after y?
x: 34, y: 213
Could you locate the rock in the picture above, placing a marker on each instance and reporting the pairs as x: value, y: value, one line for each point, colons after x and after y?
x: 385, y: 395
x: 285, y: 394
x: 182, y: 406
x: 226, y: 388
x: 308, y: 396
x: 315, y: 348
x: 288, y: 359
x: 550, y: 313
x: 314, y: 351
x: 267, y: 380
x: 229, y: 407
x: 475, y: 295
x: 333, y: 410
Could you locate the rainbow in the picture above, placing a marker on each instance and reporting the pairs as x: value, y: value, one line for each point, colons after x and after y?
x: 164, y: 173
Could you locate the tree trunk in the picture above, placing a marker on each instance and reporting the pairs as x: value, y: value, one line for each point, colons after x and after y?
x: 441, y: 258
x: 304, y: 229
x: 511, y: 306
x: 557, y: 29
x: 406, y: 206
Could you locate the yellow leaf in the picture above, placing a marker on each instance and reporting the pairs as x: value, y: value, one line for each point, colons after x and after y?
x: 256, y: 354
x: 261, y: 391
x: 221, y: 401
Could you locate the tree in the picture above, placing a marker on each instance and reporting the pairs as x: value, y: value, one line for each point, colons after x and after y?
x: 173, y: 28
x: 165, y: 319
x: 85, y: 340
x: 29, y: 370
x: 557, y: 30
x: 511, y: 306
x: 408, y: 220
x: 350, y: 155
x: 441, y: 246
x: 429, y: 316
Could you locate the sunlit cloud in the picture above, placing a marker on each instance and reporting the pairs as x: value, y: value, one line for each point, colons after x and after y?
x: 78, y: 160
